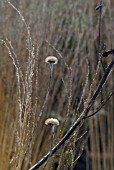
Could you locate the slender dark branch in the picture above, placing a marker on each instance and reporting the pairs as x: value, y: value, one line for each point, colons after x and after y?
x: 100, y: 17
x: 102, y: 82
x: 103, y: 104
x: 78, y: 121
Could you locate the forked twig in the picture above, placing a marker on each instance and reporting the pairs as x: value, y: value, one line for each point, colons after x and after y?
x: 100, y: 107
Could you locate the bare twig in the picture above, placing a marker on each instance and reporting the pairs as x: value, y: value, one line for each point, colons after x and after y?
x: 100, y: 17
x: 103, y: 104
x: 102, y: 82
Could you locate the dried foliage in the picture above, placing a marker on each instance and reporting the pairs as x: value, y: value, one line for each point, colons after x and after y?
x: 32, y: 91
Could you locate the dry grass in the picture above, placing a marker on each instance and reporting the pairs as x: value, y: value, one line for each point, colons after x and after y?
x: 73, y: 30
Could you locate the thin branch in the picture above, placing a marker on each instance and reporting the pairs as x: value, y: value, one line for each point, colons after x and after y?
x: 99, y: 29
x: 104, y: 103
x: 100, y: 15
x: 102, y: 82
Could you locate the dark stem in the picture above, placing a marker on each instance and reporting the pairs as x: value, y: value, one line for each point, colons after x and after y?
x: 102, y: 82
x: 52, y: 145
x: 104, y: 103
x: 51, y: 70
x: 100, y: 16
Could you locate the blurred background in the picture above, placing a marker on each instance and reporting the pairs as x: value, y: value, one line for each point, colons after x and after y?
x: 71, y: 26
